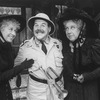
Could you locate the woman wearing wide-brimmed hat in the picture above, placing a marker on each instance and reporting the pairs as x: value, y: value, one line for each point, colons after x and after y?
x: 10, y: 25
x: 81, y: 51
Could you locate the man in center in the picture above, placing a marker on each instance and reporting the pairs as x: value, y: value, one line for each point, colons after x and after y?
x: 47, y: 54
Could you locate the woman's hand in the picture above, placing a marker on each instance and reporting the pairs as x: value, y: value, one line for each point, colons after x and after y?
x: 75, y: 76
x: 79, y: 78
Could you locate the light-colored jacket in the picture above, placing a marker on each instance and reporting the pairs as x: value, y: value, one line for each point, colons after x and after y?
x: 30, y: 50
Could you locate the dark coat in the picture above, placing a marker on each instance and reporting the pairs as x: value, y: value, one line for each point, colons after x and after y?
x: 89, y: 67
x: 7, y: 71
x: 6, y: 63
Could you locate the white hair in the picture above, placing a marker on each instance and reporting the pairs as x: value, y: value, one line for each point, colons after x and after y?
x: 6, y: 22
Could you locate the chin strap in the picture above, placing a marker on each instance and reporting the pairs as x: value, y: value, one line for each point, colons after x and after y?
x: 82, y: 34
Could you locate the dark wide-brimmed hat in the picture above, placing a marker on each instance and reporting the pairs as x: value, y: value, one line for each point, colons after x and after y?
x: 73, y: 13
x: 18, y: 18
x: 42, y: 16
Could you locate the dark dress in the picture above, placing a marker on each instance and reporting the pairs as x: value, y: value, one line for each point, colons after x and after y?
x: 7, y: 71
x: 88, y: 65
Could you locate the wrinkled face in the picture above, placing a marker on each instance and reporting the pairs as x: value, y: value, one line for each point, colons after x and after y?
x: 8, y: 31
x: 72, y: 30
x: 41, y: 29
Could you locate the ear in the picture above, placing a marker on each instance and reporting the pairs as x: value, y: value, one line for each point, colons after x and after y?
x: 49, y: 29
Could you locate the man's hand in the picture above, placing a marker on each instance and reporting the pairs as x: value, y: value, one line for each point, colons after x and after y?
x: 51, y: 81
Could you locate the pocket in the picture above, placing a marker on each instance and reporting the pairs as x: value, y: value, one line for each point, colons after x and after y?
x: 58, y: 58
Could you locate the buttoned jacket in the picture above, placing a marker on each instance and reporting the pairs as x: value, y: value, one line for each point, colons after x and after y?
x: 31, y: 49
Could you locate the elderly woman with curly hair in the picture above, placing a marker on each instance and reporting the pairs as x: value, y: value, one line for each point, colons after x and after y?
x: 81, y: 51
x: 10, y: 25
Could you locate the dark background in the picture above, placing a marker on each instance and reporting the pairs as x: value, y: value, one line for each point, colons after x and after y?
x: 91, y: 6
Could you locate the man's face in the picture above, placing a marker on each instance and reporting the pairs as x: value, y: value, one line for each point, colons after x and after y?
x: 9, y: 32
x: 41, y: 29
x: 72, y: 30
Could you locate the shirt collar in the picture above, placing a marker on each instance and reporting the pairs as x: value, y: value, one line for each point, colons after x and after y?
x: 37, y: 42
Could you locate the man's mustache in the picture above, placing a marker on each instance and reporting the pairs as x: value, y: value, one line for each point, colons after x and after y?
x: 39, y: 31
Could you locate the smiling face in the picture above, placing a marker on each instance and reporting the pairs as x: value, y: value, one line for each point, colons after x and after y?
x: 9, y: 29
x: 72, y: 29
x: 41, y: 29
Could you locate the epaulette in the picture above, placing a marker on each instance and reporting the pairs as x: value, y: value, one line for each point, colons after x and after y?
x: 23, y: 43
